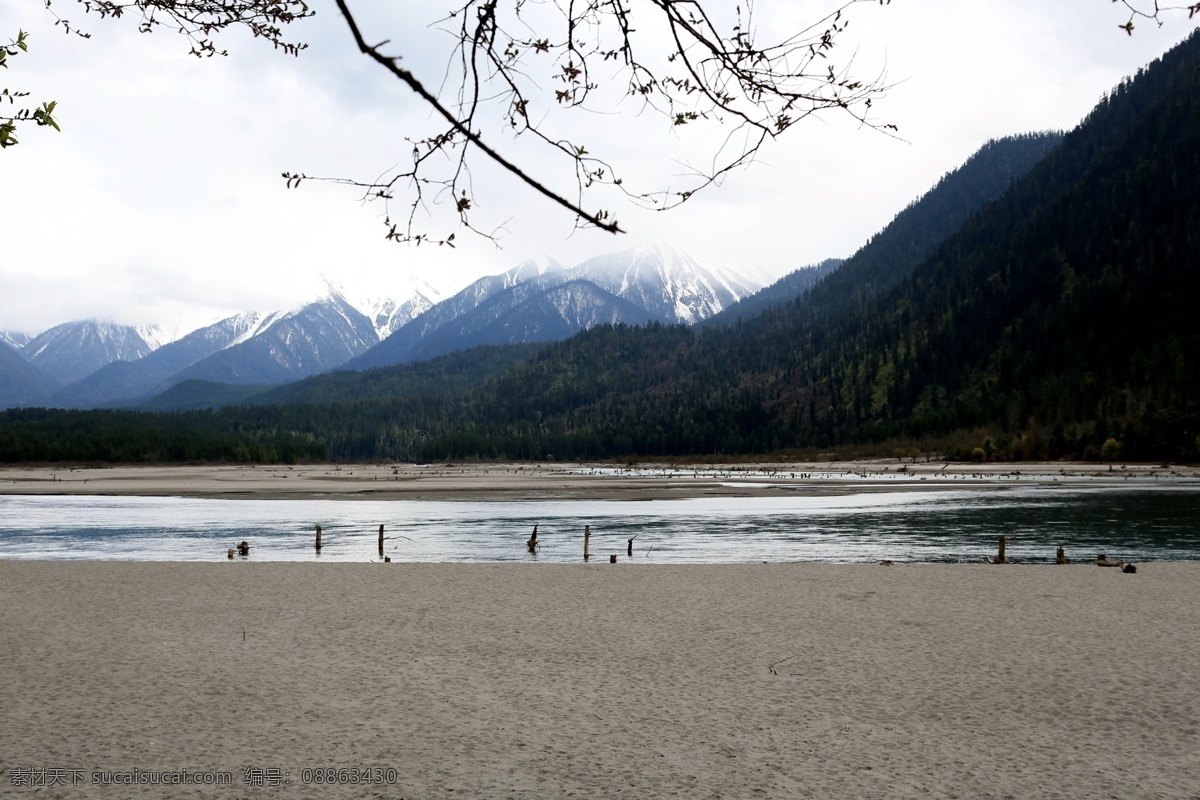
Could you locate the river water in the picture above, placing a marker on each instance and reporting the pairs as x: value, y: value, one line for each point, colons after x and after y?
x: 1149, y: 523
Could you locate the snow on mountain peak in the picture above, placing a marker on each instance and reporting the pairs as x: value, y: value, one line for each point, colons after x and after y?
x: 249, y: 324
x: 157, y: 335
x: 671, y: 282
x: 389, y: 309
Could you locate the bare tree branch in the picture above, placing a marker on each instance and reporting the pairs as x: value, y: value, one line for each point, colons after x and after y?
x: 544, y: 69
x: 684, y: 66
x: 463, y: 127
x: 200, y: 20
x: 1152, y: 11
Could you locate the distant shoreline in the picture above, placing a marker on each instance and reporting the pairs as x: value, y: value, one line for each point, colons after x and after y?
x: 569, y: 481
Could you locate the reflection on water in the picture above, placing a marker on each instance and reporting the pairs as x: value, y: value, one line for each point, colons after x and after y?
x: 1146, y: 524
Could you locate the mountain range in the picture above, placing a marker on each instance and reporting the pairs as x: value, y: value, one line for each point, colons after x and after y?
x: 91, y: 364
x: 1037, y: 303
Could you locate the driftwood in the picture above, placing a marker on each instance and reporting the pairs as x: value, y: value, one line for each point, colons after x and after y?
x: 1129, y: 568
x: 1102, y: 561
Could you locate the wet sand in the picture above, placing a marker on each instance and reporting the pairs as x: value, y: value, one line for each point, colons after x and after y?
x: 584, y: 481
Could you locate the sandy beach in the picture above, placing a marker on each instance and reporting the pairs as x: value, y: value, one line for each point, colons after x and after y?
x: 584, y: 481
x: 529, y: 681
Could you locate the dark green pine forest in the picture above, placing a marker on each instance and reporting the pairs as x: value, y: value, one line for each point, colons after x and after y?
x: 1040, y: 302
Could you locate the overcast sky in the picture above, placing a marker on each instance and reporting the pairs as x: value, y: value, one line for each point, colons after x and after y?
x: 161, y: 199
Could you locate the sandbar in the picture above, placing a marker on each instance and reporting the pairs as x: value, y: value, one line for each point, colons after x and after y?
x: 499, y: 481
x: 599, y: 680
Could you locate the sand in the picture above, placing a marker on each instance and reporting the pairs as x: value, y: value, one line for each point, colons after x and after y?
x: 530, y: 681
x: 583, y: 481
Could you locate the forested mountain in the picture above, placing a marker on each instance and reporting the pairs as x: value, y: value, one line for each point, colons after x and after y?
x: 787, y: 288
x: 436, y: 378
x: 893, y: 253
x: 194, y: 395
x: 1054, y: 319
x: 1057, y: 318
x: 20, y: 382
x: 1047, y: 310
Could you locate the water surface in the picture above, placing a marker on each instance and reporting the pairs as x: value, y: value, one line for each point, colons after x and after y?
x: 1139, y: 524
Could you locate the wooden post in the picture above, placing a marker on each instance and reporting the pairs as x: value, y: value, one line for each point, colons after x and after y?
x: 531, y: 542
x: 1060, y: 557
x: 1000, y: 559
x: 587, y: 534
x: 380, y: 540
x: 318, y: 538
x: 612, y: 559
x: 629, y: 549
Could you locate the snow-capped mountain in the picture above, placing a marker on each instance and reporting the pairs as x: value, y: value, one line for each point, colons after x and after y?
x: 398, y: 348
x: 72, y: 350
x: 670, y: 283
x: 155, y: 336
x: 319, y: 337
x: 652, y: 283
x: 538, y: 300
x: 405, y: 299
x: 14, y: 339
x: 389, y: 315
x: 127, y: 381
x: 250, y: 348
x: 542, y: 309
